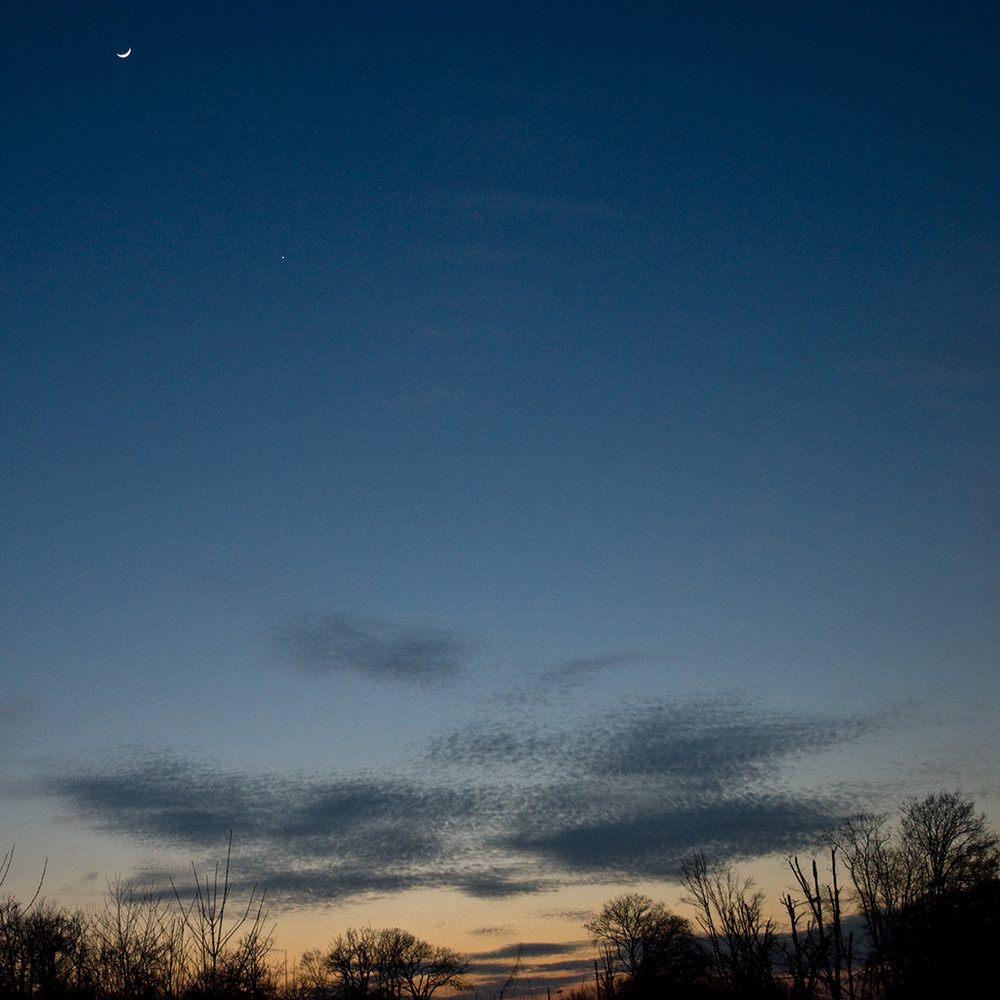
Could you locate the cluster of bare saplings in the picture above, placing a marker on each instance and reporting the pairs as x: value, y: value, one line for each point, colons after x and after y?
x: 904, y: 907
x: 204, y: 944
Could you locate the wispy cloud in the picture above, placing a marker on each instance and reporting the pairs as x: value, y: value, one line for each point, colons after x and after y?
x: 306, y: 839
x: 580, y: 669
x: 533, y: 949
x: 702, y: 744
x: 650, y: 839
x: 176, y: 800
x: 495, y: 812
x: 336, y: 643
x: 531, y: 956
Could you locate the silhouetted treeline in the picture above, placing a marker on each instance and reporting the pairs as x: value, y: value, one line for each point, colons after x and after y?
x: 141, y: 945
x: 204, y: 944
x: 909, y: 909
x: 891, y: 909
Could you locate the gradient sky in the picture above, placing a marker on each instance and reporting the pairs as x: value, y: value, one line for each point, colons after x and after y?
x: 479, y: 452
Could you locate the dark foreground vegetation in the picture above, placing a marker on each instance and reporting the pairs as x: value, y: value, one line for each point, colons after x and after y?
x: 890, y: 911
x: 904, y: 909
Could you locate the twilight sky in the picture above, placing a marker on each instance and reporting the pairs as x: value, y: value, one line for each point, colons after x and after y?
x: 479, y: 452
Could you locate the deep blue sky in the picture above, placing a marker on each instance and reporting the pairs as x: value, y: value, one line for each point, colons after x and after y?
x: 492, y: 447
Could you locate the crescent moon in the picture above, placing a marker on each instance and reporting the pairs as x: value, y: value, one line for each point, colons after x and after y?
x: 125, y: 54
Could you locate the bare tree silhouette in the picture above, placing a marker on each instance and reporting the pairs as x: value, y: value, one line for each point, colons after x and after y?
x: 227, y: 954
x: 641, y: 943
x: 391, y: 963
x: 137, y: 944
x: 819, y: 953
x: 926, y: 889
x: 730, y: 914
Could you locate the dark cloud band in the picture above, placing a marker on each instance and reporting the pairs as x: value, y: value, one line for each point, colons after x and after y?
x: 628, y: 796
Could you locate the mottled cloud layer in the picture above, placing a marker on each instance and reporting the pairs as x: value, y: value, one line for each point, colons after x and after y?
x: 496, y: 810
x: 342, y: 643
